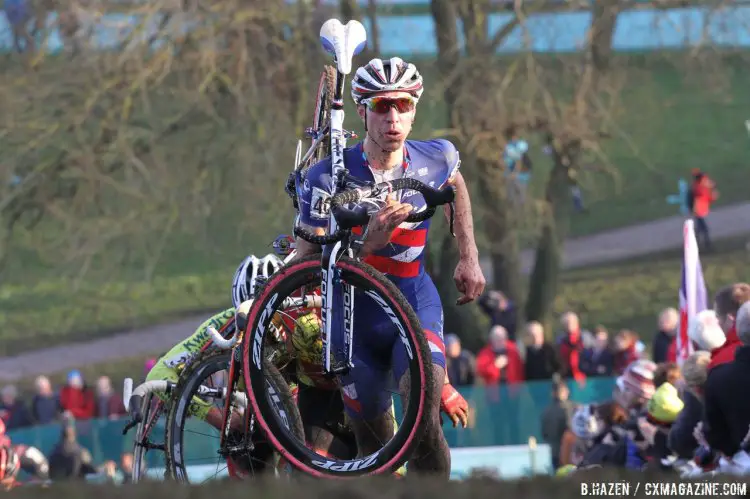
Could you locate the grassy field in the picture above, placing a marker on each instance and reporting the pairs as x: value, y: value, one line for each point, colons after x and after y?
x: 630, y: 294
x: 669, y: 124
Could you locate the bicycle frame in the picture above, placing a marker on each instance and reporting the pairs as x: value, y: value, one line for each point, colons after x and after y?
x: 339, y: 40
x: 228, y: 337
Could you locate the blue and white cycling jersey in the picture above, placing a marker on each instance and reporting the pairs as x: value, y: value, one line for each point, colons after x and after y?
x: 376, y: 348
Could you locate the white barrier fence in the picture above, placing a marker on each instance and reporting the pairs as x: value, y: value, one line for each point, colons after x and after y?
x: 507, y: 462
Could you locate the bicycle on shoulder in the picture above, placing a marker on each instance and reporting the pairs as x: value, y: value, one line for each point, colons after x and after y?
x: 394, y: 366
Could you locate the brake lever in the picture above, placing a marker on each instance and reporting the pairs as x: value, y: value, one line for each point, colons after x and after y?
x: 356, y: 243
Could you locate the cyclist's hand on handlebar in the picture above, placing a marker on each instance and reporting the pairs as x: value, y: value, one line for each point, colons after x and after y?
x: 384, y: 222
x: 469, y: 280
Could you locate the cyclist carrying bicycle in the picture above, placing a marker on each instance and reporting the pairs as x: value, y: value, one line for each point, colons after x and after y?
x: 386, y: 93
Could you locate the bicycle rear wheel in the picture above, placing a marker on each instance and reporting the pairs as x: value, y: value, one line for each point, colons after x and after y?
x: 305, y: 273
x: 322, y: 113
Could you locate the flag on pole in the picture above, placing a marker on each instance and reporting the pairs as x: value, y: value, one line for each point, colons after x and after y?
x: 693, y: 294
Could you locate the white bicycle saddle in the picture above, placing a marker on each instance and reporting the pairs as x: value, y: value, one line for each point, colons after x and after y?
x: 344, y: 41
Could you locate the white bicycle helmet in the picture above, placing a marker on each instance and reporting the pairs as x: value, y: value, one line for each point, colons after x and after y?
x: 390, y: 75
x: 244, y: 284
x: 585, y: 424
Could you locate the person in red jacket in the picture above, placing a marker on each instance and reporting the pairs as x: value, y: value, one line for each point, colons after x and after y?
x: 727, y: 303
x: 625, y: 350
x: 499, y: 361
x: 571, y: 348
x: 703, y: 193
x: 76, y: 398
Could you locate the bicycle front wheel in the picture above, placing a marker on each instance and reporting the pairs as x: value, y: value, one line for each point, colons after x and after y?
x: 416, y: 396
x: 152, y: 409
x: 194, y: 450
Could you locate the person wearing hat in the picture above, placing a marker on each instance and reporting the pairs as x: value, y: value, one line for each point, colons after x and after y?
x: 661, y: 413
x: 694, y: 371
x: 635, y: 386
x: 76, y: 398
x: 460, y: 364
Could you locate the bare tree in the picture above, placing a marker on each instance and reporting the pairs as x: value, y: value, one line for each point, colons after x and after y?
x: 120, y: 156
x: 556, y: 98
x: 472, y: 83
x: 372, y: 13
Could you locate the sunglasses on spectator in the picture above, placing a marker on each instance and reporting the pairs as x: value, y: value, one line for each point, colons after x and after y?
x: 381, y: 105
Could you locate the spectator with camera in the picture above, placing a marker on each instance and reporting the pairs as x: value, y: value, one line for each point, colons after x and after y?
x: 501, y: 311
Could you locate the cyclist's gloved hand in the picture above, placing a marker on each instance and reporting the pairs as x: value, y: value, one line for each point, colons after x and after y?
x: 454, y: 405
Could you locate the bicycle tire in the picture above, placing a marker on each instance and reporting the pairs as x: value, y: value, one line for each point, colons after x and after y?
x: 322, y: 112
x: 188, y: 383
x: 399, y: 449
x: 139, y: 452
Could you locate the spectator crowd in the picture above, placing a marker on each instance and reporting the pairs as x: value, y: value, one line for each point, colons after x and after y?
x: 661, y: 412
x: 700, y: 403
x: 513, y: 356
x: 68, y: 459
x: 75, y: 399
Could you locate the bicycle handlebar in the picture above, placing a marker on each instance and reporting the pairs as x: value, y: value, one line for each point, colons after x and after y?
x: 348, y: 218
x: 136, y: 400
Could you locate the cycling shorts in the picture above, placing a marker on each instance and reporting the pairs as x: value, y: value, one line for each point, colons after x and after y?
x: 379, y: 356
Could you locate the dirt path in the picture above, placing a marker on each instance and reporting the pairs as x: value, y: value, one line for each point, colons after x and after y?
x: 607, y: 246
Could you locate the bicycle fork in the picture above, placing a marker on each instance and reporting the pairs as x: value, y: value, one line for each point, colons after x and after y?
x: 229, y: 405
x: 338, y: 309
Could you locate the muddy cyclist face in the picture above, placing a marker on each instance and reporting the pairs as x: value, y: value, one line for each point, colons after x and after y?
x: 389, y: 118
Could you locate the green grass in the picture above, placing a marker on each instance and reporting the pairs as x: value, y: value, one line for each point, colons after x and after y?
x: 669, y: 123
x: 630, y: 294
x: 53, y: 312
x: 627, y: 294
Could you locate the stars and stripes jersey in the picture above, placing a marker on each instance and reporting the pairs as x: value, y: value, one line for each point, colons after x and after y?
x: 433, y: 162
